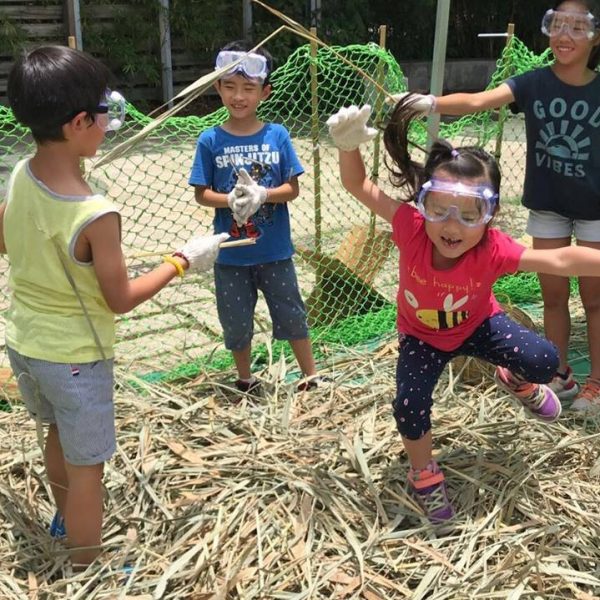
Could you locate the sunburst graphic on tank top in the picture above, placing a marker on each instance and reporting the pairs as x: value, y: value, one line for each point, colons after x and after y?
x: 562, y: 143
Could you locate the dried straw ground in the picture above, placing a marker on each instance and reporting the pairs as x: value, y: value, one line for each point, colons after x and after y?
x: 304, y: 496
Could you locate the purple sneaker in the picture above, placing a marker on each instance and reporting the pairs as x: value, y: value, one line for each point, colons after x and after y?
x: 537, y: 398
x: 429, y: 487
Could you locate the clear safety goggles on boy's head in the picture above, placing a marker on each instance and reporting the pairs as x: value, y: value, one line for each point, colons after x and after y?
x: 470, y: 206
x: 577, y: 25
x: 252, y: 65
x: 110, y: 113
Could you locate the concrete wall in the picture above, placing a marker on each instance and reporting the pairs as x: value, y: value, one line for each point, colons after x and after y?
x: 459, y: 75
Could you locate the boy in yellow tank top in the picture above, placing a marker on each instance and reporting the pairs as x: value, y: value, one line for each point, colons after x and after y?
x: 68, y: 278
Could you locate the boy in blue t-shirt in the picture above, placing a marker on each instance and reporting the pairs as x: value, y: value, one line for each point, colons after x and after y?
x: 248, y: 171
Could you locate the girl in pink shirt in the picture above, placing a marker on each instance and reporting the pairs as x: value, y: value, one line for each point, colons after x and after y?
x: 449, y: 259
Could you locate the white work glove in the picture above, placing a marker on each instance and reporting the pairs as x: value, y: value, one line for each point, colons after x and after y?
x: 421, y: 103
x: 201, y: 252
x: 348, y: 127
x: 246, y: 197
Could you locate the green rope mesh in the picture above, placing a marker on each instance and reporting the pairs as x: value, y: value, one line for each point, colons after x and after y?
x: 346, y: 263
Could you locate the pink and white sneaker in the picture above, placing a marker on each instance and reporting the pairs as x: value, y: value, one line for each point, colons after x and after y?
x: 589, y: 396
x: 537, y: 398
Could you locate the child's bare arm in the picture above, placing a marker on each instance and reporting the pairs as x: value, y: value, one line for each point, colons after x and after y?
x: 286, y: 192
x: 568, y: 261
x: 207, y: 197
x: 355, y: 180
x: 462, y: 104
x: 121, y: 293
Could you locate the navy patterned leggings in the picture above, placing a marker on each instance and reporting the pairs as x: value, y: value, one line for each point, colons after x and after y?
x: 498, y: 340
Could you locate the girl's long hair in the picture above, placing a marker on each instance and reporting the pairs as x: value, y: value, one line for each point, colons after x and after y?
x: 466, y: 162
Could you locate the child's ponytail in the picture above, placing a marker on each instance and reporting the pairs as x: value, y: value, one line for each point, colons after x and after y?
x: 403, y: 170
x: 467, y: 162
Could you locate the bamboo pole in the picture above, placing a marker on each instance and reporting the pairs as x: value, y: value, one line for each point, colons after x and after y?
x: 510, y: 32
x: 438, y: 65
x: 314, y: 99
x: 74, y: 38
x: 379, y: 103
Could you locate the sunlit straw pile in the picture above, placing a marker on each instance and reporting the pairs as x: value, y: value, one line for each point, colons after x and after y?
x: 304, y: 496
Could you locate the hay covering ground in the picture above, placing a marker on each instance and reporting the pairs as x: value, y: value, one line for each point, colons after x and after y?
x: 304, y: 496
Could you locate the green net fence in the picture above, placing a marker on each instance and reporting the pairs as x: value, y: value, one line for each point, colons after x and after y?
x: 346, y: 262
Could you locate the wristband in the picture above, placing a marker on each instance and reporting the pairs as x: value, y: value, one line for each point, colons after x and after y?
x: 173, y: 261
x: 182, y: 255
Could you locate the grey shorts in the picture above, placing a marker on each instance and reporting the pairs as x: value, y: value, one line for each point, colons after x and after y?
x: 550, y: 225
x: 237, y: 293
x: 77, y: 398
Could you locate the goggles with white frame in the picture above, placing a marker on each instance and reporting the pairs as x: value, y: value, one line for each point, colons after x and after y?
x: 252, y: 65
x: 577, y: 25
x: 477, y: 208
x: 113, y: 106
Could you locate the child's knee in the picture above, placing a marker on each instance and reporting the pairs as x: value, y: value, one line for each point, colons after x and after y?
x: 540, y: 365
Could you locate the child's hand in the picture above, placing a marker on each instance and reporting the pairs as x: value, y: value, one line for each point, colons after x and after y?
x: 348, y: 127
x: 201, y: 252
x: 421, y: 103
x: 246, y: 198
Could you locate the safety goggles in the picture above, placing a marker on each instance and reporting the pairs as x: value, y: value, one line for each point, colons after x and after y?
x: 576, y: 25
x: 471, y: 206
x: 111, y: 111
x: 251, y: 65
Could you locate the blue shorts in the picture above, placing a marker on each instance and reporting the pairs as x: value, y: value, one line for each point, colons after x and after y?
x: 77, y: 398
x: 237, y: 292
x: 546, y: 224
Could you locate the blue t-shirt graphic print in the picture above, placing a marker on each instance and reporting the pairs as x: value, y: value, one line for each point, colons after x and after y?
x: 271, y: 160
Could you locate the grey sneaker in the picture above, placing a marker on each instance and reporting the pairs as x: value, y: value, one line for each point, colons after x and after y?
x: 564, y: 385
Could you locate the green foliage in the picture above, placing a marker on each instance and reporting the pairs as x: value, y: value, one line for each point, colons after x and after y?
x: 12, y: 36
x: 128, y: 42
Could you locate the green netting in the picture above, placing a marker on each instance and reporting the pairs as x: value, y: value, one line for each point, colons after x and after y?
x: 346, y: 263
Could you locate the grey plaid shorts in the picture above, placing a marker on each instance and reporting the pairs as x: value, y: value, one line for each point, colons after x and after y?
x: 77, y: 398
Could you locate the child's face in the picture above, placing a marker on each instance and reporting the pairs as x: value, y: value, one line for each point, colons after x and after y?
x: 451, y: 238
x: 241, y: 96
x: 567, y: 48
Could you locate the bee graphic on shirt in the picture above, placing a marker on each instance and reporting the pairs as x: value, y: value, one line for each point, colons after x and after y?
x: 439, y: 319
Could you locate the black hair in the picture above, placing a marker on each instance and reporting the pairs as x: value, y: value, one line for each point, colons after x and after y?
x: 50, y: 85
x: 463, y: 162
x: 593, y: 6
x: 246, y: 46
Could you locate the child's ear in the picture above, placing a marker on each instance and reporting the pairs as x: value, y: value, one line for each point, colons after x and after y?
x: 266, y: 91
x: 79, y: 122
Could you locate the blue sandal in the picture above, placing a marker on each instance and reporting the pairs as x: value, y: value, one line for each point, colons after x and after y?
x: 57, y: 527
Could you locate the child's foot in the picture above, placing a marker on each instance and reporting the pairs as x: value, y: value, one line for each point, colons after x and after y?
x: 57, y: 527
x: 537, y: 398
x: 589, y: 396
x: 311, y: 383
x: 250, y: 387
x: 564, y: 385
x: 429, y: 487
